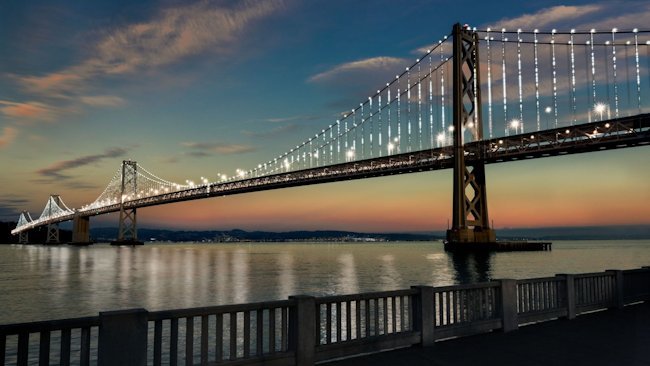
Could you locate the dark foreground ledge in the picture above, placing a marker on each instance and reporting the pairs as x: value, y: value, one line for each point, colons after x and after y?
x: 611, y: 337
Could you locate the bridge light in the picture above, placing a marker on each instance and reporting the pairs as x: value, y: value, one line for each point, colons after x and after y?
x: 600, y: 108
x: 606, y: 125
x: 532, y: 137
x: 567, y: 132
x: 500, y: 142
x: 514, y: 124
x: 451, y: 128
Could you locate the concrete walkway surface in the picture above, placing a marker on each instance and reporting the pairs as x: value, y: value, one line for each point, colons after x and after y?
x: 611, y: 337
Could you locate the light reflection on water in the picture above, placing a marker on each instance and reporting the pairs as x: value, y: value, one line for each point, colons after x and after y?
x: 45, y: 282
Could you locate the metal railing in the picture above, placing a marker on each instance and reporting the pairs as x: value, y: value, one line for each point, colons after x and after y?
x: 541, y: 298
x: 465, y: 309
x: 257, y: 331
x: 63, y: 342
x: 305, y: 329
x: 347, y: 324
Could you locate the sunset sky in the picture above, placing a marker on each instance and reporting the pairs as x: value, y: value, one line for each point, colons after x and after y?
x: 192, y: 88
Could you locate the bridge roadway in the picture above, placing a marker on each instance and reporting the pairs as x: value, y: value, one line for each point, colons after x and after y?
x: 611, y: 337
x: 596, y: 136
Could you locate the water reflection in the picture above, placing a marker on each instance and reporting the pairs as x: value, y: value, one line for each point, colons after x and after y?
x: 389, y: 278
x: 471, y: 267
x: 286, y: 277
x: 240, y: 278
x: 348, y: 282
x: 41, y: 282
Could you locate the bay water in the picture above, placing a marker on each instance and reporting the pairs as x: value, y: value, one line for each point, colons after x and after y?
x: 41, y: 282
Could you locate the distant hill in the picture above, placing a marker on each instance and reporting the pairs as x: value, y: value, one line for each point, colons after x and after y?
x: 632, y: 232
x: 578, y: 233
x: 104, y: 234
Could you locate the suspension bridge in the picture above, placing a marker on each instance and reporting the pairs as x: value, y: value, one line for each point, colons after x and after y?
x: 475, y: 97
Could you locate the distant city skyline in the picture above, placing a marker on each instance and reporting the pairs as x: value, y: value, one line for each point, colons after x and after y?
x: 194, y: 89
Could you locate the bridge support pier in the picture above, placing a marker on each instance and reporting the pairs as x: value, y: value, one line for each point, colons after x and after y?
x: 80, y: 230
x: 23, y: 237
x: 470, y: 222
x: 52, y: 234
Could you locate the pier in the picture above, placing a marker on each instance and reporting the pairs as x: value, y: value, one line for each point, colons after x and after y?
x: 498, y: 246
x: 304, y: 330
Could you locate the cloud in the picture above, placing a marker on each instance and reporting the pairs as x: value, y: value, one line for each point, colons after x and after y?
x: 171, y: 35
x: 103, y: 101
x: 273, y: 132
x: 376, y: 65
x: 34, y: 111
x: 60, y: 82
x: 600, y: 16
x: 8, y: 136
x: 203, y: 149
x: 11, y: 207
x: 57, y: 169
x: 548, y: 17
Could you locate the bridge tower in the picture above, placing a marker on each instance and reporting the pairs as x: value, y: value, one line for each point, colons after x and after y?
x: 53, y: 228
x: 23, y: 236
x: 470, y: 223
x: 128, y: 232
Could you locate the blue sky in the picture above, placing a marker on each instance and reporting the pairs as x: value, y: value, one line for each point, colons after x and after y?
x: 193, y: 88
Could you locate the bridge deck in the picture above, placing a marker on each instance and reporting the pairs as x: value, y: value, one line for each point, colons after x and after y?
x: 612, y: 337
x: 596, y: 136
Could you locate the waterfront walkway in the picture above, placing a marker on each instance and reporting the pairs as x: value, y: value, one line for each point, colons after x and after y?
x: 611, y: 337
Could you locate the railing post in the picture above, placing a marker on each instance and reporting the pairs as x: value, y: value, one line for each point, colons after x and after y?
x: 302, y: 329
x: 619, y: 295
x: 423, y: 314
x: 569, y: 294
x: 509, y: 317
x: 123, y: 338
